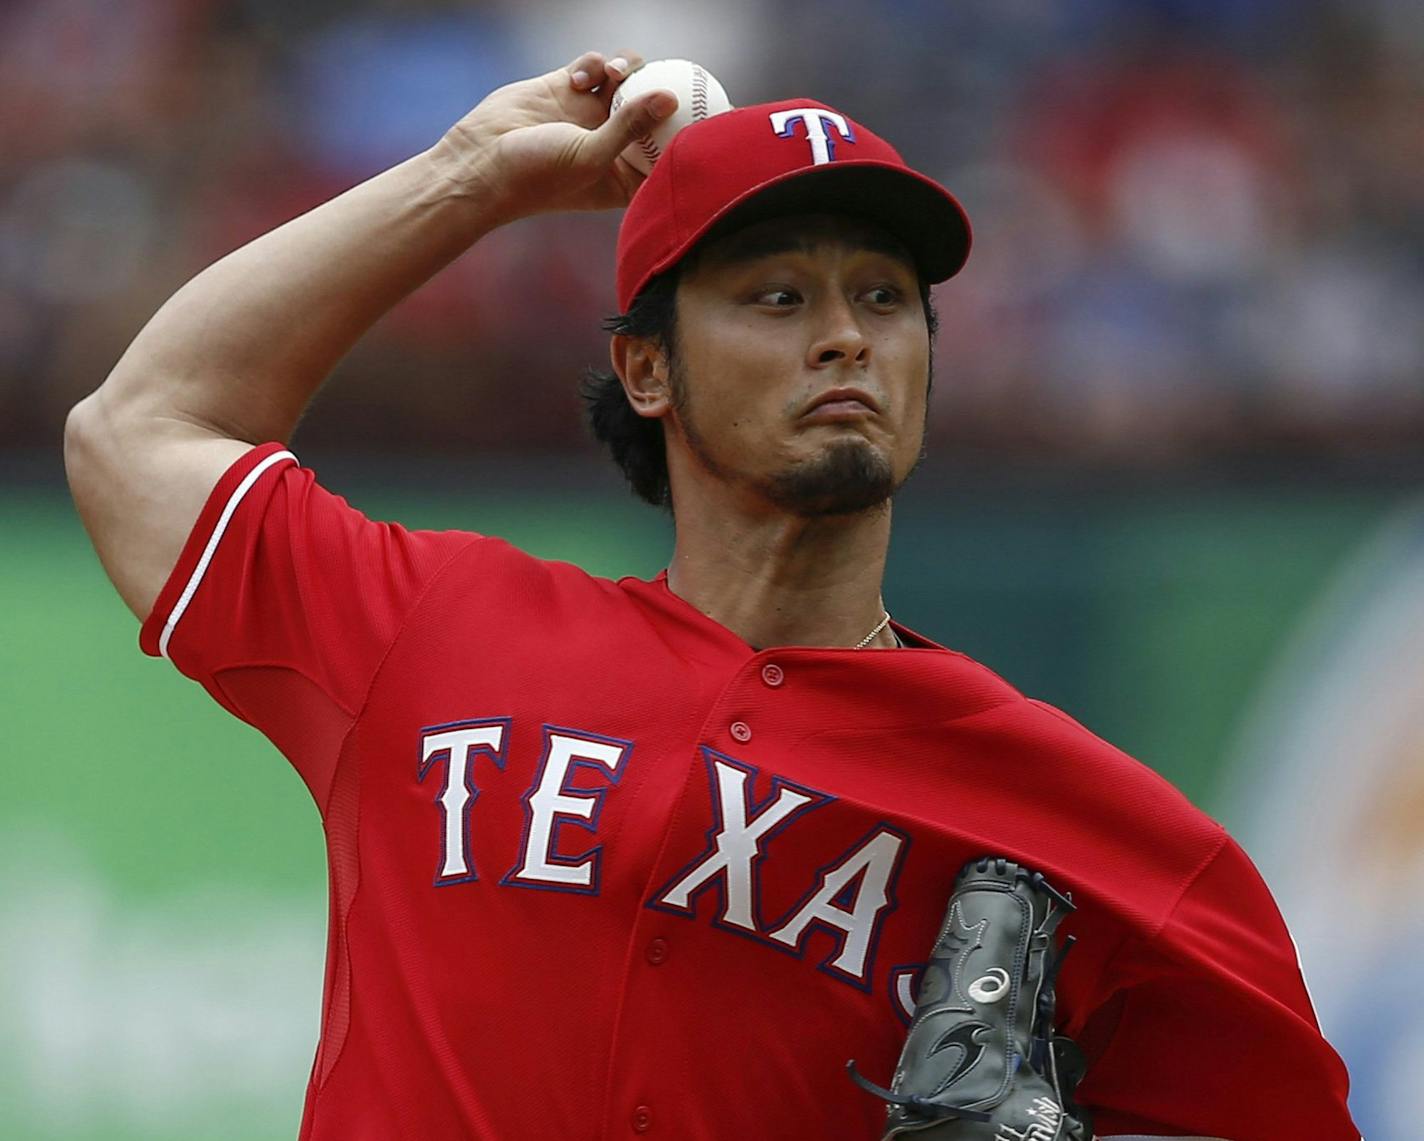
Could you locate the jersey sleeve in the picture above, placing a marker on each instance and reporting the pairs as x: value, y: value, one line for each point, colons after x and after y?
x: 1211, y: 1031
x: 284, y: 601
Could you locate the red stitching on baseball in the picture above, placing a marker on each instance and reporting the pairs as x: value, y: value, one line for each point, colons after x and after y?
x: 699, y: 93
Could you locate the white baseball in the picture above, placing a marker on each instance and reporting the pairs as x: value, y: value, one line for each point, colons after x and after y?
x: 699, y: 96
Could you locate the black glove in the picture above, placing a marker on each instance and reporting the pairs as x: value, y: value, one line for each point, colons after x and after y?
x: 981, y: 1061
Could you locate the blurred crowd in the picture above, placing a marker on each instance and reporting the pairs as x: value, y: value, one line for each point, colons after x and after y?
x: 1199, y: 223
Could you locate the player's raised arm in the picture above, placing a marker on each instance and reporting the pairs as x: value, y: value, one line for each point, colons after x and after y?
x: 234, y: 356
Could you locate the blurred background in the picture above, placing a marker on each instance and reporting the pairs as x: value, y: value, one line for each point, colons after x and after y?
x: 1173, y: 487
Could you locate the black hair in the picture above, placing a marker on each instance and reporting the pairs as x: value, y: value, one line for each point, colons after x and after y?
x: 637, y: 441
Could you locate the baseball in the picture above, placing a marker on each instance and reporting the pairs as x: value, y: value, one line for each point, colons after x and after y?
x: 699, y: 96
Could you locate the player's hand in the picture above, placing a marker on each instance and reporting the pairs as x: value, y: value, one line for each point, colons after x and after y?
x: 548, y: 143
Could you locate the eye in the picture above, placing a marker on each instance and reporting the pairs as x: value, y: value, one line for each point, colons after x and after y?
x: 884, y: 296
x: 777, y: 297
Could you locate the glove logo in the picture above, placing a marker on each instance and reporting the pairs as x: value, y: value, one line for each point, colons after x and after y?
x: 990, y: 988
x: 965, y: 1038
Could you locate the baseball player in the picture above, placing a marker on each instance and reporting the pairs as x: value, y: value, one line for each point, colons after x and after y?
x: 659, y: 857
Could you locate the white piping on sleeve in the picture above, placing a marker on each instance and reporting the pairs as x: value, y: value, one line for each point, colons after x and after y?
x: 198, y: 571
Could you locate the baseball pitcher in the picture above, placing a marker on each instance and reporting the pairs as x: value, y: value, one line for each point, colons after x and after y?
x: 611, y: 858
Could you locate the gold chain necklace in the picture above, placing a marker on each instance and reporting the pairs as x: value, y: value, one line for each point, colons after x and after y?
x: 871, y: 636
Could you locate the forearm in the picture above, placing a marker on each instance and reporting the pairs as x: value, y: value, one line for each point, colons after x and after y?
x: 234, y: 356
x: 242, y: 348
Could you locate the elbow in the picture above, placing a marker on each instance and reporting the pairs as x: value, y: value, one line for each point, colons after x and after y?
x: 80, y: 428
x: 91, y: 438
x: 100, y: 426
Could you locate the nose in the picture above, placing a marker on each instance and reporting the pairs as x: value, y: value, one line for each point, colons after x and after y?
x: 838, y: 335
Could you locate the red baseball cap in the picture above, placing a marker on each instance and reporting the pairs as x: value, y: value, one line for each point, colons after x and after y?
x: 795, y: 156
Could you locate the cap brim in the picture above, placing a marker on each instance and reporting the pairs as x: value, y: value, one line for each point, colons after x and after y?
x: 919, y: 212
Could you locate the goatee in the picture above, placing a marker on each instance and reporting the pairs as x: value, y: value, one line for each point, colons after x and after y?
x: 848, y: 477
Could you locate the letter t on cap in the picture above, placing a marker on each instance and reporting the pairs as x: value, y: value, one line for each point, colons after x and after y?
x: 823, y: 146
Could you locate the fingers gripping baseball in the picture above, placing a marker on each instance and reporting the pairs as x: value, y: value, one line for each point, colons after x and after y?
x: 549, y: 143
x: 634, y: 119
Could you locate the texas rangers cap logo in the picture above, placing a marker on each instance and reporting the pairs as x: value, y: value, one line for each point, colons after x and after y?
x: 816, y: 119
x: 749, y: 163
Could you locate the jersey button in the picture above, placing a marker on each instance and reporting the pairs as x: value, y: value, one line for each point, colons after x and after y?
x: 657, y: 951
x: 772, y: 674
x: 642, y: 1119
x: 741, y: 731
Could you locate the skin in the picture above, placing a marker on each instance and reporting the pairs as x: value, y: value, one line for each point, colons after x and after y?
x: 782, y: 512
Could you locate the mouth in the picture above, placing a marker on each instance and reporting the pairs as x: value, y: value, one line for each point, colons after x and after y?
x: 841, y: 404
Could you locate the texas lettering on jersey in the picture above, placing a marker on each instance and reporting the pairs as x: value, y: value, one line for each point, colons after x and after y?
x: 848, y: 898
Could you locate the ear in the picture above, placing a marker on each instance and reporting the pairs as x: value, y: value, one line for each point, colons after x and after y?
x: 643, y: 368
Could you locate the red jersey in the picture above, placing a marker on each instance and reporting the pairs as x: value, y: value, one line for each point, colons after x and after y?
x: 601, y: 869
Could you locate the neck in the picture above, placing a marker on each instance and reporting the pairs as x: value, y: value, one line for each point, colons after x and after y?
x: 780, y: 580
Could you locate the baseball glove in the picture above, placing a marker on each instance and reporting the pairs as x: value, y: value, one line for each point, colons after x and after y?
x: 981, y: 1061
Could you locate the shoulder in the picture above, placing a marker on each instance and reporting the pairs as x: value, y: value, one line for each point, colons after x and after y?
x: 490, y: 555
x: 1118, y: 830
x: 1142, y: 838
x: 492, y: 580
x: 1045, y: 732
x: 1120, y: 778
x: 1068, y: 733
x: 1040, y: 748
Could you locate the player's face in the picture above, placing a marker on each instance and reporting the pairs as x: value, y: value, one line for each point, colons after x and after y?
x: 802, y: 364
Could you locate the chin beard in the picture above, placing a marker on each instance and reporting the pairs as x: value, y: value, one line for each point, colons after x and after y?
x: 848, y: 477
